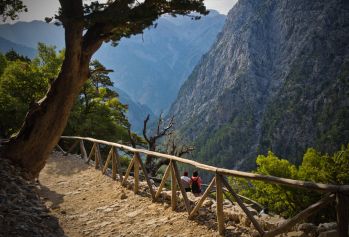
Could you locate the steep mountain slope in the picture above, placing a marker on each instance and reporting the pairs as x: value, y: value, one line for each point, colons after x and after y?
x: 277, y: 78
x: 149, y: 67
x: 7, y: 45
x: 136, y: 112
x: 152, y: 67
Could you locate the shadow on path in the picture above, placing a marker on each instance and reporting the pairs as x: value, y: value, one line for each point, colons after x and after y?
x: 55, y: 198
x: 58, y: 166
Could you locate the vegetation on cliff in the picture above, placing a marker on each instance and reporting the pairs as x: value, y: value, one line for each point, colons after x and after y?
x: 316, y: 167
x: 276, y: 79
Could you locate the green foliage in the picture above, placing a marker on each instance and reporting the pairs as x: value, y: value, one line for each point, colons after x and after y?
x: 316, y: 167
x: 24, y: 82
x: 11, y: 8
x: 333, y: 169
x: 124, y: 161
x: 308, y: 111
x: 278, y: 198
x: 98, y: 112
x: 223, y: 147
x: 48, y: 61
x: 272, y: 165
x: 3, y: 63
x: 21, y: 85
x: 14, y: 56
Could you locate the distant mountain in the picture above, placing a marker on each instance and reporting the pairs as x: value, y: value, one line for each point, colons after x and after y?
x: 149, y: 67
x: 136, y: 112
x: 31, y: 33
x: 152, y: 67
x: 6, y: 45
x: 277, y: 78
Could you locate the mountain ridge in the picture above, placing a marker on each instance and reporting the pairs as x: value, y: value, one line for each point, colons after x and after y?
x: 230, y: 105
x: 7, y: 45
x: 151, y: 67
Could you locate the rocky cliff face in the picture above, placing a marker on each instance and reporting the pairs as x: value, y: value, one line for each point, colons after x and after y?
x: 277, y: 78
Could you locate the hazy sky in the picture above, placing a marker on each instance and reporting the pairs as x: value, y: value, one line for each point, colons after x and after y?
x: 39, y: 9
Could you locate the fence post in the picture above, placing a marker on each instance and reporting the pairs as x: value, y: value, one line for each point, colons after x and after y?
x: 219, y: 201
x: 136, y: 174
x: 173, y: 188
x: 342, y: 208
x: 202, y: 199
x: 110, y: 155
x: 72, y: 147
x: 181, y: 188
x: 130, y: 166
x: 114, y: 164
x: 93, y: 151
x: 163, y: 181
x: 117, y: 165
x: 145, y: 173
x: 97, y: 156
x: 83, y: 150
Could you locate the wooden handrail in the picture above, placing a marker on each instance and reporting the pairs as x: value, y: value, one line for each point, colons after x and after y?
x: 270, y: 179
x: 340, y: 192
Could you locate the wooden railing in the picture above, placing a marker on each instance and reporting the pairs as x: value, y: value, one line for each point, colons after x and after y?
x: 338, y: 193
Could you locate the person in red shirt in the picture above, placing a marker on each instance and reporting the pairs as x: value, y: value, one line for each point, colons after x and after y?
x: 196, y: 183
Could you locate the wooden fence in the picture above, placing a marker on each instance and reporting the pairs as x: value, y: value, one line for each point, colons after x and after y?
x: 337, y: 193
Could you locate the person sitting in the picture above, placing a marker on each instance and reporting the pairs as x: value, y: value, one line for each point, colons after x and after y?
x: 186, y: 181
x: 196, y: 183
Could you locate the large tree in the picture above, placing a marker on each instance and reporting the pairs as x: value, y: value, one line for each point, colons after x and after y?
x: 87, y: 25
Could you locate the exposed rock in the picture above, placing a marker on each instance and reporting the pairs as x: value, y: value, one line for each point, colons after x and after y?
x: 326, y: 226
x: 22, y: 214
x: 166, y: 205
x: 277, y: 77
x: 307, y: 228
x: 252, y: 211
x: 207, y: 203
x: 296, y: 234
x: 232, y: 215
x: 123, y: 196
x: 329, y: 233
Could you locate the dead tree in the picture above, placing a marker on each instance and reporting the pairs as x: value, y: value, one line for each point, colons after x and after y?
x: 160, y: 132
x: 171, y: 146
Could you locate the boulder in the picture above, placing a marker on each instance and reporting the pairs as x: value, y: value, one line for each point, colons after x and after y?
x: 329, y: 233
x: 207, y: 203
x: 326, y: 226
x: 232, y: 215
x: 308, y: 228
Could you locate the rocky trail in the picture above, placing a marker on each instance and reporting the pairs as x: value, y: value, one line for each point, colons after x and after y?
x: 87, y: 203
x: 74, y: 199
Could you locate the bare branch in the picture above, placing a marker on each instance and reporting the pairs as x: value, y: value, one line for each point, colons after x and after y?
x: 166, y: 130
x: 145, y: 129
x: 185, y: 150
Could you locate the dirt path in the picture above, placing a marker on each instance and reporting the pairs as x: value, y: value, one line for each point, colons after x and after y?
x: 88, y: 203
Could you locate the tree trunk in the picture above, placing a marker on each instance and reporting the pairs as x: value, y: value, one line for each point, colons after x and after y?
x: 45, y: 122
